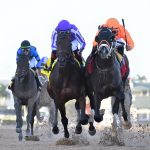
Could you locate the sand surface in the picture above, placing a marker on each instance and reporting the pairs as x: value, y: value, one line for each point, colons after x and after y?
x: 137, y: 138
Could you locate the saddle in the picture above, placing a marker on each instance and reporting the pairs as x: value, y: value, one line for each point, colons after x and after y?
x: 89, y: 66
x: 124, y: 67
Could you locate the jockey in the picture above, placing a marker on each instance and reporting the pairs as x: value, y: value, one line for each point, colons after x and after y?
x: 122, y: 37
x: 34, y: 57
x: 42, y: 63
x: 120, y: 33
x: 76, y: 39
x: 43, y: 66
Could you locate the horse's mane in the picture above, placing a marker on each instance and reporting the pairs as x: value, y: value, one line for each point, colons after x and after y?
x: 63, y: 40
x: 22, y: 64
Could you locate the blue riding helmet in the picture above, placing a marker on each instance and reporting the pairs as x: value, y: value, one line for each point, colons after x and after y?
x: 63, y: 25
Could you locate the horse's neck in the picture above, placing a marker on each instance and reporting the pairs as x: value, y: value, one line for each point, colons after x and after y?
x: 104, y: 63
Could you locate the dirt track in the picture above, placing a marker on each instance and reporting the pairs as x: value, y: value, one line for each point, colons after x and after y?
x: 137, y: 138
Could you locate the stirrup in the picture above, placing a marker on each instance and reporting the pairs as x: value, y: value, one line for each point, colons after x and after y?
x: 10, y: 86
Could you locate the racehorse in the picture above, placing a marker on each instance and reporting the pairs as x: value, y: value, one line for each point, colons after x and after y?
x: 66, y: 82
x: 106, y: 80
x: 44, y: 100
x: 25, y: 93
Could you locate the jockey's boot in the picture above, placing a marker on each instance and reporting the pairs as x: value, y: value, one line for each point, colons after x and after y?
x: 82, y: 66
x: 39, y: 85
x: 11, y: 85
x: 53, y: 57
x: 79, y: 58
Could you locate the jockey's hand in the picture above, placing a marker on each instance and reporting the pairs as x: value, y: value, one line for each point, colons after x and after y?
x: 128, y: 47
x: 46, y: 68
x: 79, y: 52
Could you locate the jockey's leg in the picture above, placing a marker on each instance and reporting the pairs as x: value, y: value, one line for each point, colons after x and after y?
x: 123, y: 61
x: 53, y: 57
x: 79, y: 58
x: 39, y: 85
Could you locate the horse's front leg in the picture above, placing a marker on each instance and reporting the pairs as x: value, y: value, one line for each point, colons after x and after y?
x: 53, y: 118
x: 98, y: 117
x: 64, y: 119
x: 19, y: 120
x: 92, y: 129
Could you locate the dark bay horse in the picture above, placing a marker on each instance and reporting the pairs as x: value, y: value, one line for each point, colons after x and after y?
x: 106, y: 80
x: 67, y: 82
x: 25, y: 93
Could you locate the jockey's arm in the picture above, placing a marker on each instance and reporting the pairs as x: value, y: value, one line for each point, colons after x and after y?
x: 81, y: 40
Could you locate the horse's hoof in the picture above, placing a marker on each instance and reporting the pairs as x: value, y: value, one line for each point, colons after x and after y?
x: 121, y: 144
x: 18, y: 130
x: 92, y: 130
x: 78, y: 129
x: 20, y: 137
x: 127, y: 125
x: 55, y: 130
x: 98, y: 119
x: 66, y: 135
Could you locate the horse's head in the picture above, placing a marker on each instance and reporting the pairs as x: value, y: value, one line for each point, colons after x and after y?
x: 105, y: 40
x: 64, y: 50
x: 22, y: 66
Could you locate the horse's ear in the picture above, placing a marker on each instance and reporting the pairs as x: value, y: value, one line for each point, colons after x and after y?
x: 96, y: 38
x: 99, y: 27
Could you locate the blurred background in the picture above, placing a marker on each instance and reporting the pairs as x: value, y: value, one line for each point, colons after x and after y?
x: 34, y: 20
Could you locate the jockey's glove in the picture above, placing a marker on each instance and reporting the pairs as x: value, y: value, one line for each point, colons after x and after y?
x: 128, y: 47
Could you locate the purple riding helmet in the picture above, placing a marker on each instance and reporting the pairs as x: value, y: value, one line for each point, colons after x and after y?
x: 63, y: 25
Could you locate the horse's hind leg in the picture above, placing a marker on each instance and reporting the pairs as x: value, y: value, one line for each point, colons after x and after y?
x: 127, y: 102
x: 32, y: 119
x: 64, y: 120
x: 19, y: 119
x: 53, y: 119
x: 117, y: 122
